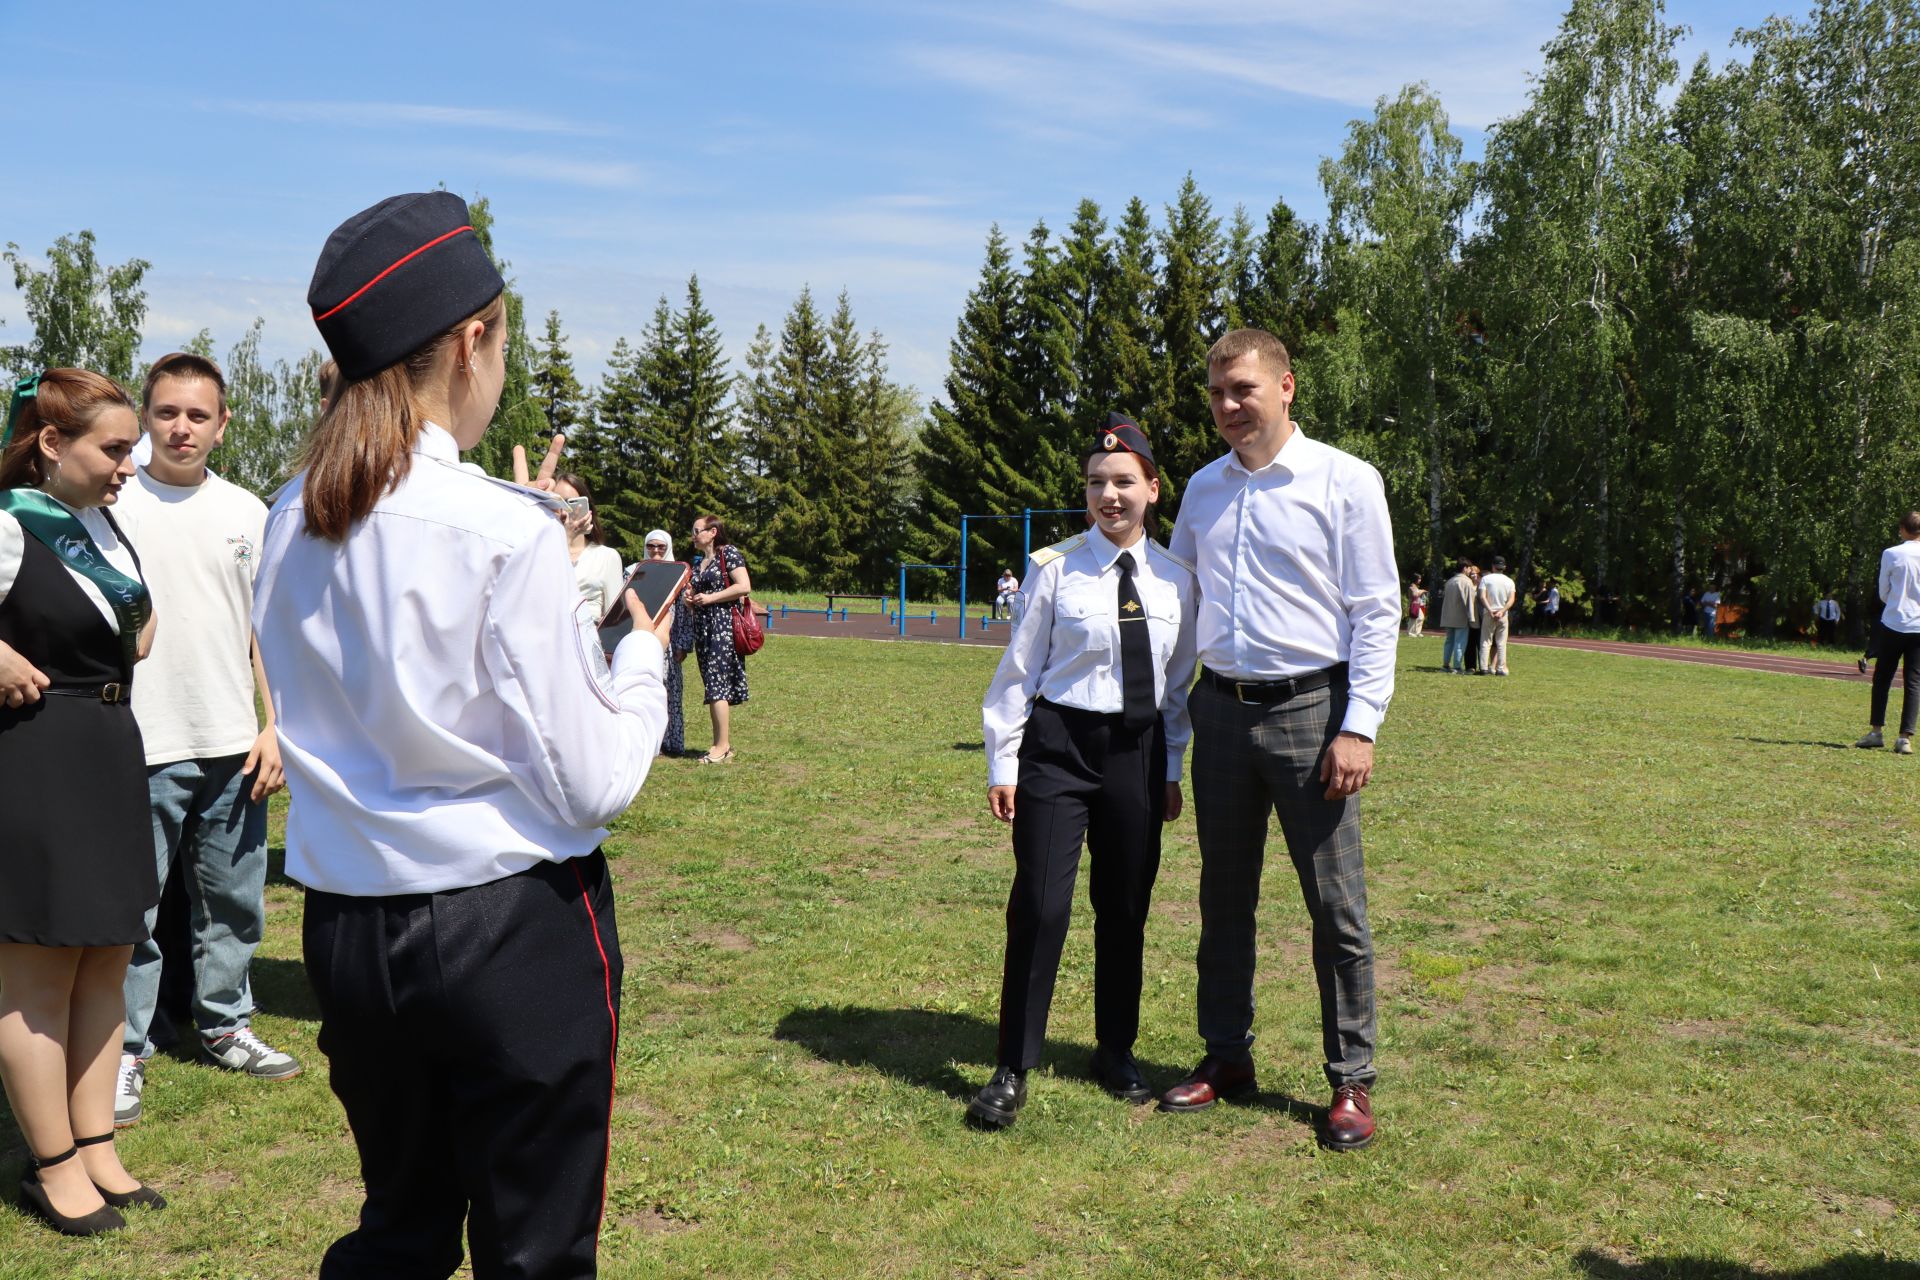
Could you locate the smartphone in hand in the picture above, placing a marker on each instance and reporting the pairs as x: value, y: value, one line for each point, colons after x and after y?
x: 658, y: 583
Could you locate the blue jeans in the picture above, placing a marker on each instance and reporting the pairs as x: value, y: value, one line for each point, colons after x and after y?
x: 1453, y: 654
x: 201, y: 812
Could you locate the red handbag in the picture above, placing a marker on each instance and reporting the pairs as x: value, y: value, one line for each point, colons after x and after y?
x: 748, y: 635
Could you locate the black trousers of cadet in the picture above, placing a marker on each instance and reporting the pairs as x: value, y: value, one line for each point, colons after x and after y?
x: 1081, y: 776
x: 1895, y: 648
x: 470, y: 1037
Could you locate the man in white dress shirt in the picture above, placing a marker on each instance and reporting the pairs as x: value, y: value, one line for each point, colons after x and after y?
x: 1299, y: 617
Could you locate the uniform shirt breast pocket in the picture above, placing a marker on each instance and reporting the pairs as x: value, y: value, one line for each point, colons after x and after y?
x: 1082, y: 623
x: 1163, y: 620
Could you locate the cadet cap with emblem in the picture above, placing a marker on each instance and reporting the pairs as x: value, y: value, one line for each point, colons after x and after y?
x: 1123, y: 435
x: 394, y: 277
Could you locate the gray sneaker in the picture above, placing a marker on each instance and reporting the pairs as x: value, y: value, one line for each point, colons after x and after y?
x: 126, y: 1095
x: 1903, y: 746
x: 1872, y: 741
x: 244, y: 1051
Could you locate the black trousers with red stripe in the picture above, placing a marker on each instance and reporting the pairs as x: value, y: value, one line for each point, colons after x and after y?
x: 470, y: 1037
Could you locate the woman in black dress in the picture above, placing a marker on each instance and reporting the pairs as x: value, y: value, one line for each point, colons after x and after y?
x: 76, y: 868
x: 717, y: 583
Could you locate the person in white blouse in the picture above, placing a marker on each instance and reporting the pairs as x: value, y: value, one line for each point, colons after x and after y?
x: 1299, y: 619
x: 1897, y: 637
x: 1006, y: 593
x: 596, y: 566
x: 1085, y: 725
x: 455, y: 747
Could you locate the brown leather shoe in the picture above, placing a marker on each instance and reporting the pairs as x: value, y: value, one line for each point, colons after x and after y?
x: 1214, y: 1079
x: 1349, y: 1119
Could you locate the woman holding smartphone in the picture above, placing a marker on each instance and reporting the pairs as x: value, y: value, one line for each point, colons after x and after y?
x: 1086, y: 722
x: 455, y: 746
x: 596, y: 566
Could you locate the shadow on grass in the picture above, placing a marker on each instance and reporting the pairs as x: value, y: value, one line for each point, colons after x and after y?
x: 277, y: 868
x: 1799, y: 742
x: 920, y: 1046
x: 1852, y: 1266
x: 969, y: 746
x: 280, y: 987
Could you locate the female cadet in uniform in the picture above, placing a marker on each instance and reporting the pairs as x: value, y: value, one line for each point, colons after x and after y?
x: 76, y: 844
x: 1086, y: 721
x: 455, y: 746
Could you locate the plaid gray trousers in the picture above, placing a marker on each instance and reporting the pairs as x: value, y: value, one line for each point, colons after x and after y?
x: 1250, y: 761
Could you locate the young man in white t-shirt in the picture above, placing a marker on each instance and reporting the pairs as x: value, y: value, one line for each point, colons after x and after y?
x: 210, y: 765
x: 1497, y: 594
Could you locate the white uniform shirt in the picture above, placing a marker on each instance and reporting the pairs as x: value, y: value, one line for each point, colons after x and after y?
x: 1296, y: 572
x: 196, y: 688
x: 1066, y: 647
x: 445, y: 716
x: 1900, y: 586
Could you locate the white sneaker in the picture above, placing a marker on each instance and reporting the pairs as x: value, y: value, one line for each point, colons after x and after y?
x: 1872, y: 740
x: 1903, y: 746
x: 244, y: 1051
x: 126, y: 1095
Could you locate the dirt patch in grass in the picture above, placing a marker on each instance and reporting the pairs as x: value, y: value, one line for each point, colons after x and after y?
x: 724, y: 939
x: 654, y: 1222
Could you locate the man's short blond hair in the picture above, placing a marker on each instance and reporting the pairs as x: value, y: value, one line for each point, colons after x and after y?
x: 1251, y: 342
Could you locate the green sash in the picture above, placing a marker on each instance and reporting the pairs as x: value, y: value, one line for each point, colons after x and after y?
x: 63, y: 534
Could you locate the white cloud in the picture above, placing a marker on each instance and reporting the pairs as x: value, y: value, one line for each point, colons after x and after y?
x: 386, y: 115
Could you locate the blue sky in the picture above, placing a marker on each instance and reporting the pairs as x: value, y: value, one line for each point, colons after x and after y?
x: 843, y: 145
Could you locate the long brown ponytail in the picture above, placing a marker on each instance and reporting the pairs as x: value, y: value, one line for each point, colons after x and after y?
x: 362, y: 446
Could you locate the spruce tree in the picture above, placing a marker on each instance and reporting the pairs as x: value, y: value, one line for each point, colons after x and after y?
x: 555, y: 387
x: 1188, y: 317
x: 1044, y: 339
x: 699, y: 471
x: 517, y: 419
x: 962, y: 447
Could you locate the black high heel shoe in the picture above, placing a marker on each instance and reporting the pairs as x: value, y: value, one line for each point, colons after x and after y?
x: 143, y: 1196
x: 33, y: 1198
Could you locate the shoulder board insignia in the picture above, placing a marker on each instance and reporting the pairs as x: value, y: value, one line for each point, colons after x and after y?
x: 1047, y: 554
x: 1169, y: 555
x: 538, y: 497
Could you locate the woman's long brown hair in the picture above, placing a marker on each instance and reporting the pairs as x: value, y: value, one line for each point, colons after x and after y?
x: 362, y: 446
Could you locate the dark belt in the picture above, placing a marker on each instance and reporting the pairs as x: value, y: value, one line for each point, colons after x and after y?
x: 1276, y: 690
x: 116, y: 692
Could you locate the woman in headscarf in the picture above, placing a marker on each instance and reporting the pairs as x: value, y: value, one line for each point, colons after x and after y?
x: 660, y: 547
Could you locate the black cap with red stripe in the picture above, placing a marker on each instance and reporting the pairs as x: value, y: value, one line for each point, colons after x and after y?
x: 394, y: 277
x: 1123, y: 435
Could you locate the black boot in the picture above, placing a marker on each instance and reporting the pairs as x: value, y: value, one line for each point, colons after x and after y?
x: 999, y: 1101
x: 1119, y: 1075
x: 33, y: 1198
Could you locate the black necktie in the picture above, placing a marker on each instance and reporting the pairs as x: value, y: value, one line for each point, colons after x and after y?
x: 1138, y: 710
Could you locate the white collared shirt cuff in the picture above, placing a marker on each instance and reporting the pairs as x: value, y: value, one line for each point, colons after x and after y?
x: 1363, y: 720
x: 638, y: 653
x: 1004, y: 773
x: 1174, y: 759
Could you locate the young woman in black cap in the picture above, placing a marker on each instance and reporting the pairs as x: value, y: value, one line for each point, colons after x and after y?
x: 455, y: 746
x: 1086, y: 721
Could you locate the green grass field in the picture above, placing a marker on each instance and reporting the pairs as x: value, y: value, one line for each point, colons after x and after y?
x: 1649, y: 970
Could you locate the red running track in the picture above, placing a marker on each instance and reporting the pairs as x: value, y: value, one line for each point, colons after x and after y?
x: 867, y: 626
x: 1778, y: 664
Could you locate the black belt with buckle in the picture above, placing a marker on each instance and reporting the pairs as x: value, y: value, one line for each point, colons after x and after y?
x: 1270, y: 691
x: 116, y: 692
